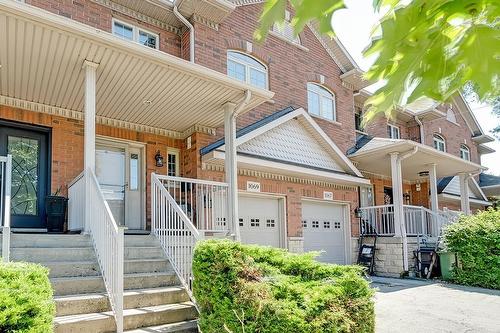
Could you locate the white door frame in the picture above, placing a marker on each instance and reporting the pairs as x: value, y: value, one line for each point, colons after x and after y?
x: 283, y: 227
x: 346, y: 208
x: 125, y: 144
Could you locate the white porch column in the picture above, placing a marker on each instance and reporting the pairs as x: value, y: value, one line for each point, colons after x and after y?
x: 433, y: 187
x: 397, y: 195
x: 464, y: 193
x: 230, y: 167
x: 89, y: 131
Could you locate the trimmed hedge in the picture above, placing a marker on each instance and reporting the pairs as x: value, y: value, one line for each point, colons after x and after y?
x: 26, y: 304
x: 246, y: 289
x: 476, y: 240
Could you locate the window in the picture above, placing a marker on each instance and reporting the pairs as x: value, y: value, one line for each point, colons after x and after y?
x: 246, y: 69
x: 304, y: 224
x: 450, y: 116
x: 254, y: 222
x: 439, y: 142
x: 393, y: 132
x: 135, y: 34
x: 173, y: 163
x: 358, y: 119
x: 315, y: 224
x: 326, y: 224
x: 285, y: 29
x: 321, y: 102
x: 270, y: 223
x: 337, y: 225
x: 464, y: 152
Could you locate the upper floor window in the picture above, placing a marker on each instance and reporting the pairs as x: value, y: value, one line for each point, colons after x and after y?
x: 439, y: 142
x: 285, y: 29
x: 393, y: 131
x: 245, y: 68
x: 358, y: 119
x: 135, y: 34
x: 464, y: 152
x: 321, y: 102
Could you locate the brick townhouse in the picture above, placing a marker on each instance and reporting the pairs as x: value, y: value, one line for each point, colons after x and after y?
x: 262, y: 142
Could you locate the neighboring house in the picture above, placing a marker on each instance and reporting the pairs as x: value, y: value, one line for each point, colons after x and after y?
x: 490, y: 185
x: 163, y: 103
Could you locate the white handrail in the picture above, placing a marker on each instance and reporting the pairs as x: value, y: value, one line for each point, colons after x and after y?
x: 5, y: 188
x: 108, y: 240
x: 175, y: 231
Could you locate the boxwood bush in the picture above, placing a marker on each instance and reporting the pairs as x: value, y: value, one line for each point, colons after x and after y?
x: 246, y: 289
x: 26, y: 304
x: 476, y: 240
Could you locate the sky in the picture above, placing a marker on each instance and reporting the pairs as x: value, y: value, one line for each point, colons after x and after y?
x: 354, y: 26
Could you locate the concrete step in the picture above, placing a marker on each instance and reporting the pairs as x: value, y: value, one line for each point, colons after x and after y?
x: 77, y: 285
x: 189, y: 326
x: 49, y: 240
x: 141, y: 240
x: 147, y: 265
x: 143, y: 252
x: 149, y: 280
x: 72, y: 268
x: 52, y: 254
x: 132, y: 318
x: 92, y: 303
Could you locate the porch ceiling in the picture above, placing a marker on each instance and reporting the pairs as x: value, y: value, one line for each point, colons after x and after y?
x: 41, y: 58
x: 374, y: 158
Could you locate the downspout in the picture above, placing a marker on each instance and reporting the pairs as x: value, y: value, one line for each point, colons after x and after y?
x: 230, y: 164
x: 190, y: 27
x: 421, y: 127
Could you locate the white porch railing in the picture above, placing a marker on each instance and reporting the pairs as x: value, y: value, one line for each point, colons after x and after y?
x: 174, y: 229
x: 5, y: 187
x: 204, y: 202
x: 418, y: 220
x: 107, y: 237
x: 76, y: 203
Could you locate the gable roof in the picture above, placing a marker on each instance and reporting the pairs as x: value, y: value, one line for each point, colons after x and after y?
x: 292, y: 139
x: 450, y: 187
x: 488, y: 180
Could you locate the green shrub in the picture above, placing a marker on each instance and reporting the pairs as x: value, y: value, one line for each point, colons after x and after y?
x: 476, y: 240
x: 248, y: 289
x: 26, y: 303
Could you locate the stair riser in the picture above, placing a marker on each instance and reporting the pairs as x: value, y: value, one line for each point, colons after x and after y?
x: 77, y: 286
x: 70, y: 269
x: 158, y: 318
x: 66, y: 307
x: 154, y: 281
x: 143, y: 253
x: 147, y: 266
x: 41, y: 255
x: 133, y: 240
x: 103, y: 325
x: 45, y: 240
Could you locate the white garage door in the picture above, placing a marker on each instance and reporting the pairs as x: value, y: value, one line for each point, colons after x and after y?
x: 324, y: 230
x: 259, y: 220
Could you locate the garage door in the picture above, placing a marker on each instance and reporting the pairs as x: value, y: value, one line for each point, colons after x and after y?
x: 259, y: 220
x: 324, y: 230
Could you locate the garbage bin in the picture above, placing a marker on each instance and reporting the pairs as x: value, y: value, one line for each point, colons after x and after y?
x: 447, y: 261
x: 55, y: 207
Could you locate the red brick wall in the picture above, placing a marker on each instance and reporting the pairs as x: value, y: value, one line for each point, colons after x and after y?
x: 100, y: 17
x: 289, y: 67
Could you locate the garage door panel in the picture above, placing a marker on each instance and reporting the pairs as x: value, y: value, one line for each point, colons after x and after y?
x: 323, y: 230
x: 259, y: 220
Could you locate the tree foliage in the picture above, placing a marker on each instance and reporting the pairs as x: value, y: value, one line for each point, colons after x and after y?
x: 426, y: 48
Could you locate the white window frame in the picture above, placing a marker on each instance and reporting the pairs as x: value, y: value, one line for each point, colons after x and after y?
x: 438, y: 140
x: 176, y: 153
x: 247, y: 67
x: 394, y: 129
x: 464, y: 149
x: 135, y: 33
x: 325, y: 93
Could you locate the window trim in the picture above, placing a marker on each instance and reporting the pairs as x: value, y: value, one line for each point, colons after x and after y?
x: 135, y: 32
x: 333, y: 97
x: 247, y: 67
x: 176, y: 153
x: 464, y: 148
x: 439, y: 138
x: 392, y: 127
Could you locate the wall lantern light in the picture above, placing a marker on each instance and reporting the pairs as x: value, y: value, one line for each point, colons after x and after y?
x: 357, y: 213
x: 159, y: 159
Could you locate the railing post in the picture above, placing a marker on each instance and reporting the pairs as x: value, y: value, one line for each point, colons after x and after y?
x: 119, y: 279
x: 6, y: 216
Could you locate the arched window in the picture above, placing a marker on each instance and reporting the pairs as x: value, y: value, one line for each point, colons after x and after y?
x: 321, y: 102
x: 245, y: 68
x: 450, y: 116
x: 439, y: 142
x: 464, y: 152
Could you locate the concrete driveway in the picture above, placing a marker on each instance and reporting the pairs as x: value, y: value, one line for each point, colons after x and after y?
x: 419, y: 306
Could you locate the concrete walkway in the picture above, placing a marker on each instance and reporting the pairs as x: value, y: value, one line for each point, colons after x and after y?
x: 420, y: 306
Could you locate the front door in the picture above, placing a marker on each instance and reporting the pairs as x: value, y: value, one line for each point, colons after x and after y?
x: 30, y: 174
x: 119, y: 172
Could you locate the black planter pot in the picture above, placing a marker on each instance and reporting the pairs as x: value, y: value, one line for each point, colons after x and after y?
x: 55, y: 207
